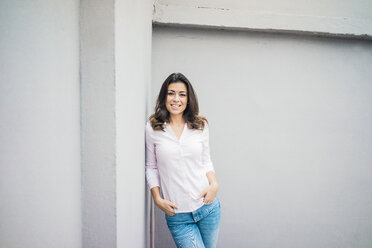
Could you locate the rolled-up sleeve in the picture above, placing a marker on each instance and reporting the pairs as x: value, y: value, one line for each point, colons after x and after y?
x: 151, y: 169
x: 206, y: 158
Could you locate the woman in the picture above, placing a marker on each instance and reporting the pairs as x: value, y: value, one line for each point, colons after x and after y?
x: 178, y: 161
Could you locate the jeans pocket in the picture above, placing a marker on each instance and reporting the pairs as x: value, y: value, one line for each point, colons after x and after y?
x: 214, y: 201
x: 169, y: 216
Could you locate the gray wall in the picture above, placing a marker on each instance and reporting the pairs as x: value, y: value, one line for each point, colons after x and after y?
x: 115, y: 73
x: 360, y: 9
x: 330, y: 18
x: 98, y: 153
x: 39, y: 124
x: 290, y: 119
x: 133, y: 32
x: 49, y: 198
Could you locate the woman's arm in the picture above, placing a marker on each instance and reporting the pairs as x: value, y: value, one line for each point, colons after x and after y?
x: 212, y: 179
x: 152, y: 175
x: 155, y: 191
x: 151, y: 167
x: 211, y: 191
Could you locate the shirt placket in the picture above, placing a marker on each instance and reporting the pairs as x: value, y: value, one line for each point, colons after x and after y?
x: 183, y: 166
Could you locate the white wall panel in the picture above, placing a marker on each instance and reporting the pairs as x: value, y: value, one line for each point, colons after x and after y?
x: 326, y: 18
x: 290, y: 132
x: 40, y: 190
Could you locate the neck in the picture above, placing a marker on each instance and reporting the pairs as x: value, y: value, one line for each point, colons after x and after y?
x: 176, y: 119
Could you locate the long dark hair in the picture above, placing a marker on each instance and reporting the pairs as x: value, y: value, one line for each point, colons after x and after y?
x: 194, y: 121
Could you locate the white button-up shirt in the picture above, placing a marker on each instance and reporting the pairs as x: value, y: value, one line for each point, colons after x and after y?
x: 178, y: 166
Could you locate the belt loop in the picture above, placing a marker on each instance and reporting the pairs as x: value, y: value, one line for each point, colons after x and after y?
x: 194, y: 216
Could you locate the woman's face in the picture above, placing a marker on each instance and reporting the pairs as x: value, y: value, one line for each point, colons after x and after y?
x: 176, y: 98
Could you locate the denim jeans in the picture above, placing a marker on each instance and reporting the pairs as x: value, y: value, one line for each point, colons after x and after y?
x: 197, y: 229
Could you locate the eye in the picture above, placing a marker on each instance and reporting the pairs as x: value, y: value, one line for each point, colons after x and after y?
x: 170, y: 93
x: 183, y: 95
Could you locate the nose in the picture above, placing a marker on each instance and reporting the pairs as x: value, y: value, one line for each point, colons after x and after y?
x: 176, y: 97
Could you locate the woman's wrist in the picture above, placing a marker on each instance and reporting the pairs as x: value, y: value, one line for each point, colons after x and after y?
x: 155, y: 191
x: 214, y: 185
x: 157, y: 200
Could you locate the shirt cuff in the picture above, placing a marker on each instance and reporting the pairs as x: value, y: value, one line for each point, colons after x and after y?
x: 153, y: 178
x: 209, y: 167
x: 150, y: 186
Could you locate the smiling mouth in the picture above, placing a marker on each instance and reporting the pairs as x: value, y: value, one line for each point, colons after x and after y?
x: 175, y: 106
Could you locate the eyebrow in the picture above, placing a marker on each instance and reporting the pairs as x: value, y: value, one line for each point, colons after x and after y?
x: 179, y: 91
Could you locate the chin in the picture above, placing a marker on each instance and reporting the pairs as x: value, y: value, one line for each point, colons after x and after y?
x: 175, y: 112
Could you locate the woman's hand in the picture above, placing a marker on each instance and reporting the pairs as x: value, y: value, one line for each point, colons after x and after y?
x: 166, y: 206
x: 209, y: 193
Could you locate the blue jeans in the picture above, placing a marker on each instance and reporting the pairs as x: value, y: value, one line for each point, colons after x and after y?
x: 197, y: 229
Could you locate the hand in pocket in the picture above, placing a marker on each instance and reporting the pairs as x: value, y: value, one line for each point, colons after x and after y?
x: 209, y: 194
x: 167, y: 206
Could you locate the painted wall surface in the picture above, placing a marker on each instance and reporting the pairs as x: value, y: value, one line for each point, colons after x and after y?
x: 98, y: 129
x: 39, y: 124
x: 290, y: 133
x: 41, y: 183
x: 326, y: 18
x: 116, y: 67
x: 328, y: 8
x: 133, y: 32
